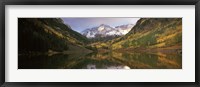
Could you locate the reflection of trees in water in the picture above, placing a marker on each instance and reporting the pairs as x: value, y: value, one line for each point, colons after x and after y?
x: 112, y: 59
x: 144, y: 60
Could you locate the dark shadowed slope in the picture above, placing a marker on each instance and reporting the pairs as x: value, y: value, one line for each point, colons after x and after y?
x: 47, y: 34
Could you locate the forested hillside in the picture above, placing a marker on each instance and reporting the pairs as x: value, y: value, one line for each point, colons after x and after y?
x: 47, y: 34
x: 152, y: 33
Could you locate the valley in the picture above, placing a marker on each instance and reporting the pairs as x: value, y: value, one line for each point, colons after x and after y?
x: 150, y: 43
x: 152, y: 35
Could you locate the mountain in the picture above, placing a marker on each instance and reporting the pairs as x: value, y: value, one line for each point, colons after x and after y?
x: 149, y: 33
x: 47, y: 35
x: 51, y: 34
x: 104, y: 30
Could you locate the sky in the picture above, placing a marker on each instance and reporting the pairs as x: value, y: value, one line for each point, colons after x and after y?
x: 80, y: 24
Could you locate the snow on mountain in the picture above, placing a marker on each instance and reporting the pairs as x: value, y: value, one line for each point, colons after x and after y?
x: 106, y: 30
x: 124, y: 29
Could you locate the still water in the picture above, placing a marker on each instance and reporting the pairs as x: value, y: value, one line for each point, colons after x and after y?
x: 106, y: 60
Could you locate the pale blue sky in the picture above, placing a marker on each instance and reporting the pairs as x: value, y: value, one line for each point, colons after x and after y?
x: 80, y: 24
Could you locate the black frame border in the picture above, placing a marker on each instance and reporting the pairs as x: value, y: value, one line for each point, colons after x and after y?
x: 98, y: 2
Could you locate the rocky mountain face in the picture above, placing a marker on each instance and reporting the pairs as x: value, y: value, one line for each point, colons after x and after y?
x: 104, y: 30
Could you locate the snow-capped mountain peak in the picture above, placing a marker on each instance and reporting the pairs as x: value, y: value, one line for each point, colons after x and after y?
x: 104, y: 30
x: 103, y: 27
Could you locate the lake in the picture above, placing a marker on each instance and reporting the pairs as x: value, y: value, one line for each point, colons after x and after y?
x: 105, y: 60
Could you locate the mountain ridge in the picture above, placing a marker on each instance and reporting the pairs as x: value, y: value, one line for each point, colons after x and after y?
x: 104, y: 30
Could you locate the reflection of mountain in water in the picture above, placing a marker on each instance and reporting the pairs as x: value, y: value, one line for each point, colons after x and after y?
x: 91, y: 66
x: 106, y: 60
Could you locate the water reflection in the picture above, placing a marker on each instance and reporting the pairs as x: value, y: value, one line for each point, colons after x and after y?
x: 91, y: 66
x: 106, y: 60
